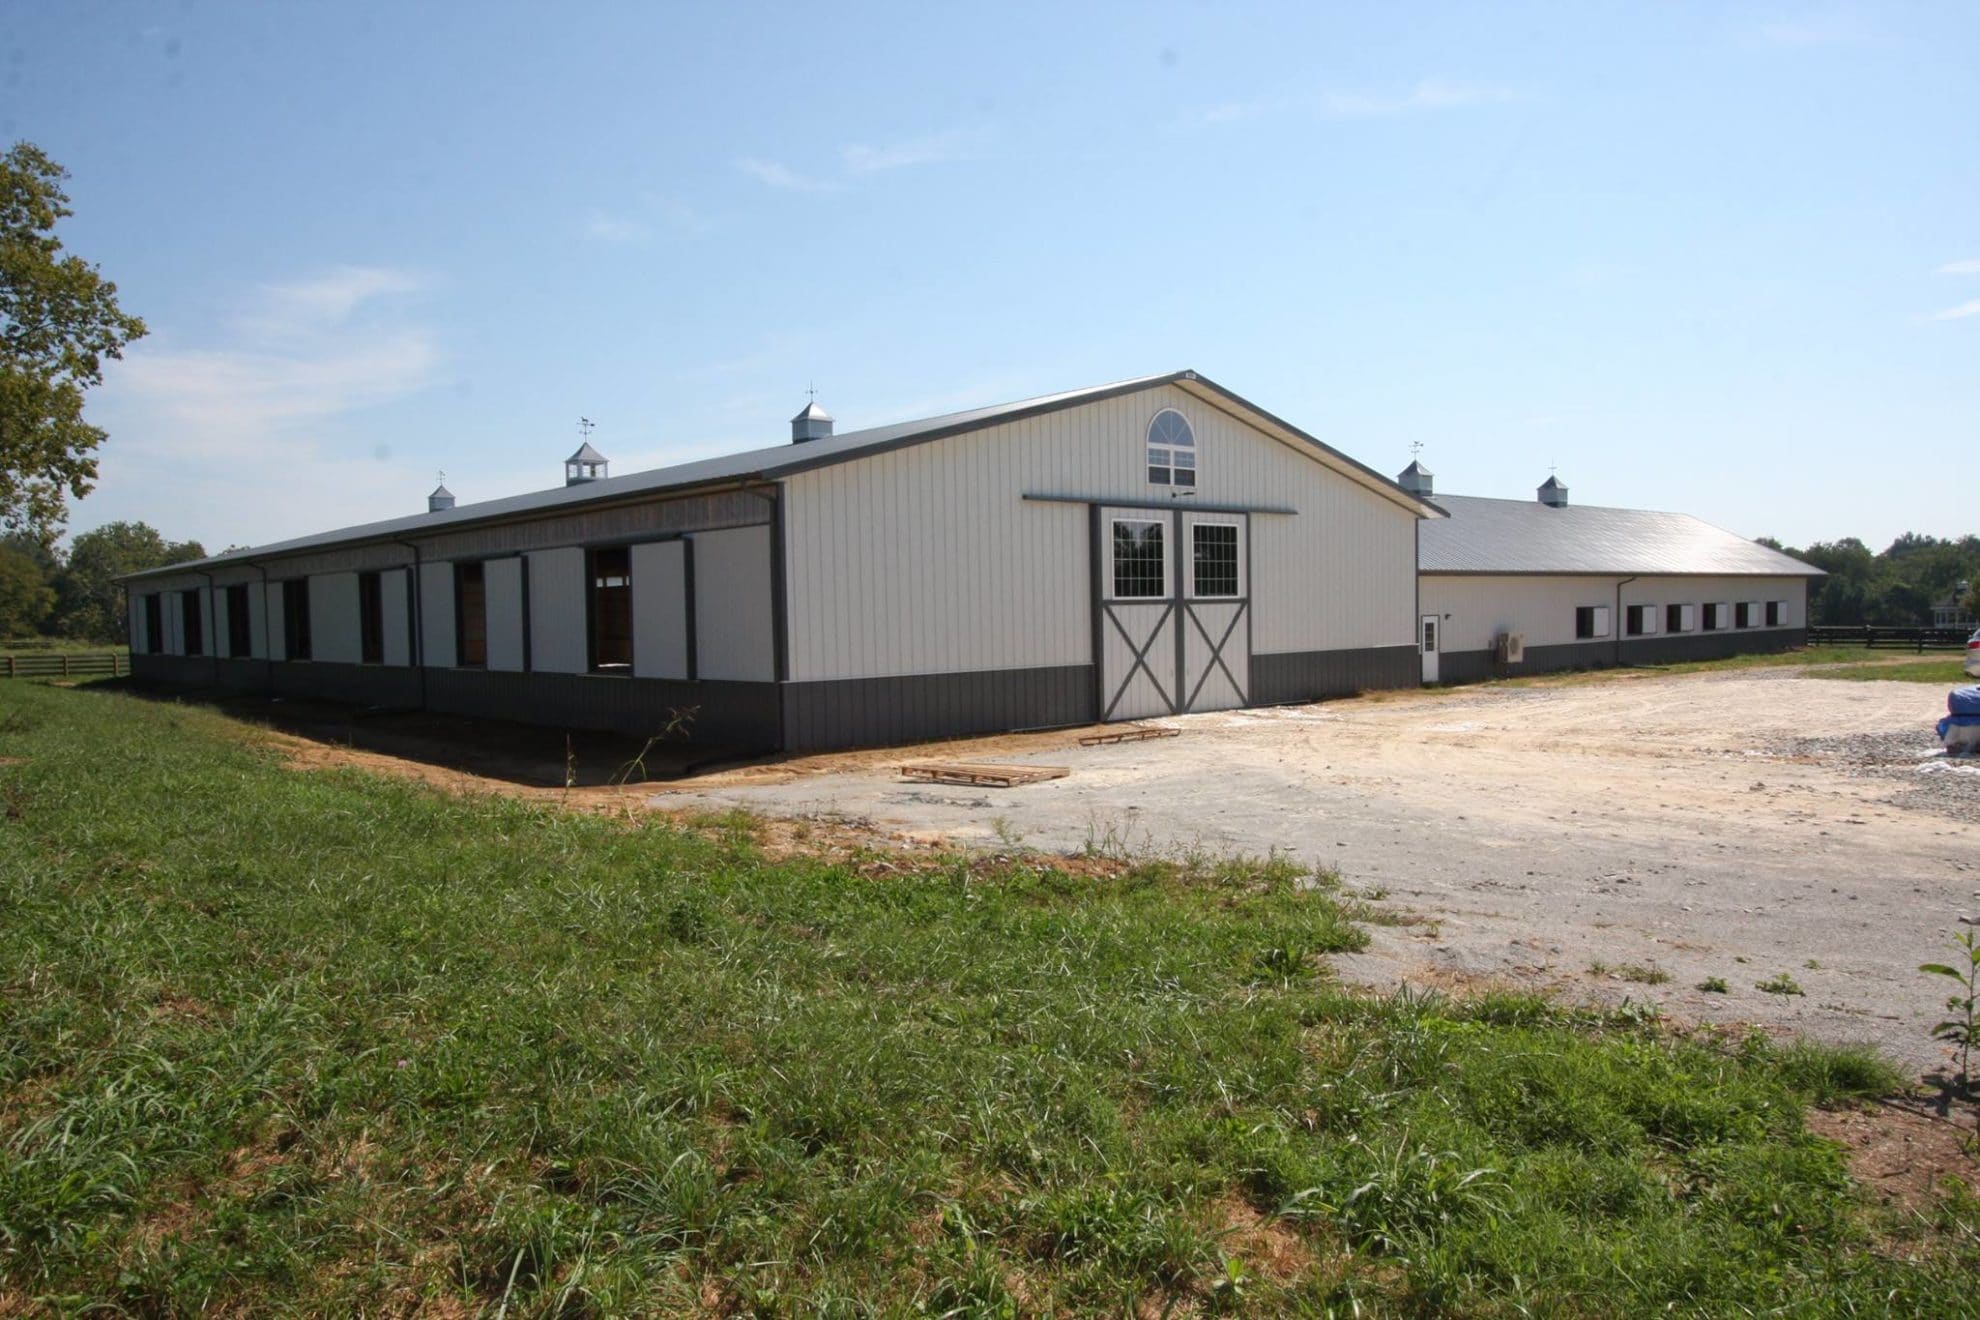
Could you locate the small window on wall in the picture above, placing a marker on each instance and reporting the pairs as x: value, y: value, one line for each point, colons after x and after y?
x: 371, y: 620
x: 471, y: 616
x: 239, y: 624
x: 1640, y: 620
x: 1743, y: 615
x: 1680, y: 618
x: 295, y: 619
x: 191, y: 634
x: 611, y: 609
x: 1171, y: 450
x: 1591, y: 621
x: 154, y: 624
x: 1776, y: 613
x: 1715, y: 618
x: 1140, y: 564
x: 1214, y: 559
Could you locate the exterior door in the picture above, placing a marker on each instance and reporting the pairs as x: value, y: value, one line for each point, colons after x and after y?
x: 1427, y: 643
x: 1172, y: 612
x: 1215, y: 612
x: 1135, y: 561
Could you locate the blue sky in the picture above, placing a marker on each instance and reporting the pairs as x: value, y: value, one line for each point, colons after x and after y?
x: 1717, y: 258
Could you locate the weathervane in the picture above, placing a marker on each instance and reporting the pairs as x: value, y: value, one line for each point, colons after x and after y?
x: 584, y: 429
x: 1415, y: 449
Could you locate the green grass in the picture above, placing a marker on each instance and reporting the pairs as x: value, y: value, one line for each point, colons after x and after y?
x: 1949, y: 672
x: 288, y: 1042
x: 58, y: 646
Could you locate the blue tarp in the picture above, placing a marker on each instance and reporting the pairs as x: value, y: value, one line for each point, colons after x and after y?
x: 1964, y: 700
x: 1957, y: 722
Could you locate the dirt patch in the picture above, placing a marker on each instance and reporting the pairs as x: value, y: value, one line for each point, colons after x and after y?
x: 1900, y: 1151
x: 1267, y: 1245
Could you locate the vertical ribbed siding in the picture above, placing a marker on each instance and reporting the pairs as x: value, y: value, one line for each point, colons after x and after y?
x: 928, y: 560
x: 1541, y: 608
x: 915, y: 707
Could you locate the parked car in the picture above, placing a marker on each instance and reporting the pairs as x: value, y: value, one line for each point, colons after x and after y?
x: 1973, y: 654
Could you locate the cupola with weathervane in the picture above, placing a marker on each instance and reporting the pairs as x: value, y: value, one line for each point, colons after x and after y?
x: 587, y: 464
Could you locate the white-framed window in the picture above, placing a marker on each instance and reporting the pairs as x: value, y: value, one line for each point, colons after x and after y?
x: 1140, y: 559
x: 1717, y: 613
x: 1213, y: 561
x: 1746, y: 614
x: 1171, y: 450
x: 1680, y: 618
x: 1591, y: 621
x: 1640, y: 620
x: 1776, y: 614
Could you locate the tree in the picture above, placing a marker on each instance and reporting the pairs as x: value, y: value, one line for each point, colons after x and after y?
x: 90, y: 600
x: 59, y: 319
x: 25, y: 596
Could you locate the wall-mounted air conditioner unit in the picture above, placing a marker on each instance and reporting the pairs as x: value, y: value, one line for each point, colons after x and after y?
x: 1510, y: 648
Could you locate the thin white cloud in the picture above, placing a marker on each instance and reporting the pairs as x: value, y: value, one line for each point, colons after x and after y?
x: 1968, y: 267
x: 605, y: 228
x: 1428, y: 96
x: 776, y: 175
x: 327, y: 299
x: 1959, y: 313
x: 933, y: 149
x: 1431, y: 94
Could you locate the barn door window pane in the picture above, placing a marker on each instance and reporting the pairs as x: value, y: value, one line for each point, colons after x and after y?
x: 1140, y: 564
x: 190, y: 633
x: 238, y: 622
x: 371, y: 620
x: 1214, y: 548
x: 611, y: 609
x: 154, y: 625
x: 295, y: 619
x: 471, y: 615
x: 1171, y: 450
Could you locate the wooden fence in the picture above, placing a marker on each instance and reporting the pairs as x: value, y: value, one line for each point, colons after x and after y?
x: 1870, y: 635
x: 63, y: 664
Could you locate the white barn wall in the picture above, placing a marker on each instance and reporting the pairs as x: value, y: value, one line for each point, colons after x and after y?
x: 1542, y: 607
x: 660, y: 633
x: 333, y: 618
x: 558, y: 643
x: 734, y: 618
x: 927, y: 559
x: 503, y: 582
x: 436, y: 614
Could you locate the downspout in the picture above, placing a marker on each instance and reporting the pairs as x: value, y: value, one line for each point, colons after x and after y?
x: 1617, y: 623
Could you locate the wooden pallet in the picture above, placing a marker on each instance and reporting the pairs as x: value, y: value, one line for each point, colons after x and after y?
x: 1132, y: 733
x: 981, y: 775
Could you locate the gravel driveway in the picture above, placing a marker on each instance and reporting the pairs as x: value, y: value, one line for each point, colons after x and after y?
x: 1585, y: 836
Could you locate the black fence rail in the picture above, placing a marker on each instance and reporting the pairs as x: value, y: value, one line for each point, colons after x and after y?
x: 1871, y: 635
x: 105, y: 664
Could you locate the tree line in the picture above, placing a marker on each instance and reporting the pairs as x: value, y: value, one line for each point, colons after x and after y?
x: 46, y: 592
x: 1895, y: 587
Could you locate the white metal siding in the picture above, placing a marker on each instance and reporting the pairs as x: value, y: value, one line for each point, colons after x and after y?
x: 927, y: 559
x: 436, y: 614
x: 134, y: 607
x: 333, y: 618
x: 734, y: 633
x: 398, y: 626
x: 175, y: 623
x: 557, y: 642
x: 217, y: 624
x: 504, y: 582
x: 659, y: 586
x: 1542, y: 608
x: 257, y: 621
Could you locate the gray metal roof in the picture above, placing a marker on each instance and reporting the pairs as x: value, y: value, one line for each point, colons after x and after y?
x: 765, y: 464
x: 586, y: 454
x: 1526, y: 536
x: 813, y: 413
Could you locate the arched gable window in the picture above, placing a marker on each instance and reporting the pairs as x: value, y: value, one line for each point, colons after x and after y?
x: 1171, y: 450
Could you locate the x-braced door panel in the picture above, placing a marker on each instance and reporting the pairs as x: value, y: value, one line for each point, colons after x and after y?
x: 1173, y: 612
